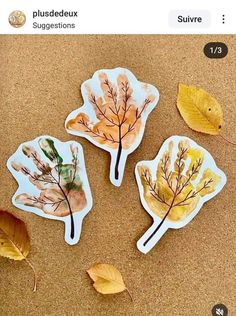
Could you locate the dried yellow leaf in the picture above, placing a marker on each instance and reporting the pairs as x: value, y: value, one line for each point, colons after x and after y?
x: 14, y: 239
x: 107, y: 279
x: 199, y: 109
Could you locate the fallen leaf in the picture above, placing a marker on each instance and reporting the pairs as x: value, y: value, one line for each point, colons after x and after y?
x: 107, y: 279
x: 14, y: 239
x: 199, y: 109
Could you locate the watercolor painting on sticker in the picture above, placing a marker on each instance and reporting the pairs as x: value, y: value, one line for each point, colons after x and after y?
x: 113, y: 116
x: 174, y: 186
x: 52, y: 182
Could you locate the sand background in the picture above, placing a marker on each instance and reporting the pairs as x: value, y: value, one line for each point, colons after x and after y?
x: 190, y: 269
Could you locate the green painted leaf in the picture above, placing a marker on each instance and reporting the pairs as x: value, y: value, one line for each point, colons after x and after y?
x: 71, y: 178
x: 48, y: 148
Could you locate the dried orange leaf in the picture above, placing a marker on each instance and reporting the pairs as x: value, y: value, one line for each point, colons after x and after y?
x: 107, y: 279
x: 199, y: 109
x: 14, y: 239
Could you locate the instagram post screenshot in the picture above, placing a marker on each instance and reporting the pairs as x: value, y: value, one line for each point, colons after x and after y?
x: 118, y: 168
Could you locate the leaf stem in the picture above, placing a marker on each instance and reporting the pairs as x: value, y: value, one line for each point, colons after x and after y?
x: 228, y: 141
x: 118, y: 156
x: 131, y: 297
x: 72, y: 232
x: 35, y: 274
x: 159, y: 226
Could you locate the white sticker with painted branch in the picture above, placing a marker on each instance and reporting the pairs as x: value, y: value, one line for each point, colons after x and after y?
x: 174, y: 186
x: 52, y: 182
x: 113, y: 116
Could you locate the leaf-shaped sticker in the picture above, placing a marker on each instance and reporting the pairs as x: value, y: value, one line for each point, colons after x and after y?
x: 199, y: 109
x: 14, y: 240
x: 174, y: 186
x: 52, y: 182
x: 114, y: 114
x: 107, y: 279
